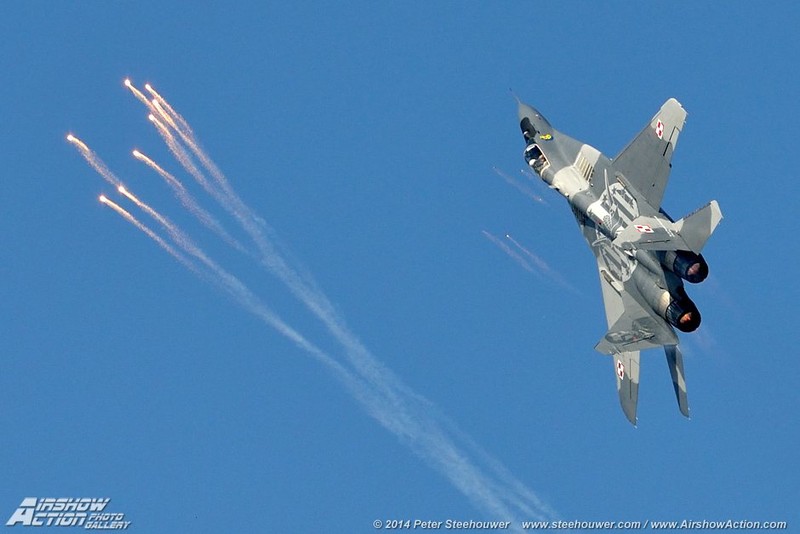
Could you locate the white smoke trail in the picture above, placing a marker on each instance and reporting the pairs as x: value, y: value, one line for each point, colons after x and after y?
x: 505, y: 248
x: 536, y: 259
x: 152, y: 235
x: 240, y: 294
x: 170, y: 110
x: 522, y: 188
x: 163, y: 114
x: 406, y: 416
x: 94, y: 161
x: 543, y: 267
x: 399, y: 409
x: 188, y: 202
x: 222, y: 278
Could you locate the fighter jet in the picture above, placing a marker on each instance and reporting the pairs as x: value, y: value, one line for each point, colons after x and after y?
x: 643, y: 255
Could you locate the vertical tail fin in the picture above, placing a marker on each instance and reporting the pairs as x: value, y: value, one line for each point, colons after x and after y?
x: 696, y: 228
x: 659, y: 233
x: 675, y: 362
x: 626, y: 368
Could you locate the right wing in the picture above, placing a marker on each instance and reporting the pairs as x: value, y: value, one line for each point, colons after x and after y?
x: 646, y: 161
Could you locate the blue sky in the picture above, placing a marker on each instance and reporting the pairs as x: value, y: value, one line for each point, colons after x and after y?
x: 365, y: 135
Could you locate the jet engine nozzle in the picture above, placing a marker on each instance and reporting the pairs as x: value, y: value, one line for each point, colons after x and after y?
x: 674, y: 306
x: 683, y: 315
x: 688, y: 265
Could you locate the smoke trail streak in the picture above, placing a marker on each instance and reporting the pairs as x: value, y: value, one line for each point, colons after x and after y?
x: 152, y: 235
x: 227, y: 198
x: 188, y: 202
x: 224, y: 279
x: 185, y: 160
x: 522, y: 188
x: 522, y: 262
x: 185, y: 132
x: 407, y: 421
x: 404, y: 415
x: 540, y: 263
x: 163, y: 130
x: 102, y: 169
x: 171, y: 180
x: 180, y: 238
x: 241, y: 294
x: 171, y: 111
x: 544, y: 267
x: 147, y: 209
x: 408, y: 414
x: 396, y: 407
x: 233, y: 204
x: 164, y: 115
x: 302, y: 287
x: 410, y: 419
x: 95, y: 161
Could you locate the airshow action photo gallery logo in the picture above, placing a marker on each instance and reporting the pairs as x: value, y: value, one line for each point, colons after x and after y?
x: 89, y: 513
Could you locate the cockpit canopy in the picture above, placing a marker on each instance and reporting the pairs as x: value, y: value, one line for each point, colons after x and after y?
x: 535, y: 158
x: 528, y: 130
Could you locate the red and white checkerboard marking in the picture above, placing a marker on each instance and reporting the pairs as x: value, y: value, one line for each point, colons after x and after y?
x: 644, y: 229
x: 620, y: 370
x: 660, y: 129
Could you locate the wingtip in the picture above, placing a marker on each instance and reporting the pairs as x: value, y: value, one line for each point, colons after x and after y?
x: 631, y: 417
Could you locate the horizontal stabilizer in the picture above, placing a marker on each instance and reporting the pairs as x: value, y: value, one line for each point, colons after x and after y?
x: 659, y: 233
x: 636, y: 330
x: 675, y: 362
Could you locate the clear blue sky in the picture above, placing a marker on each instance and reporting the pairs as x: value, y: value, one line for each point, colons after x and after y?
x: 365, y: 134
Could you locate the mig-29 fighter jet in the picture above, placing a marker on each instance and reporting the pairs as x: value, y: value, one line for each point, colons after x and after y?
x: 643, y: 256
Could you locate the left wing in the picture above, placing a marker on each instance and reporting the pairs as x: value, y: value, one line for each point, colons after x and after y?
x: 647, y: 160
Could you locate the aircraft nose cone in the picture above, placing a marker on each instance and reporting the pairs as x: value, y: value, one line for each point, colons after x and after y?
x: 524, y: 110
x: 530, y: 118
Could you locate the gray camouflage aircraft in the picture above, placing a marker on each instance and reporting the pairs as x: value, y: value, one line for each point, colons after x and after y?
x: 642, y: 254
